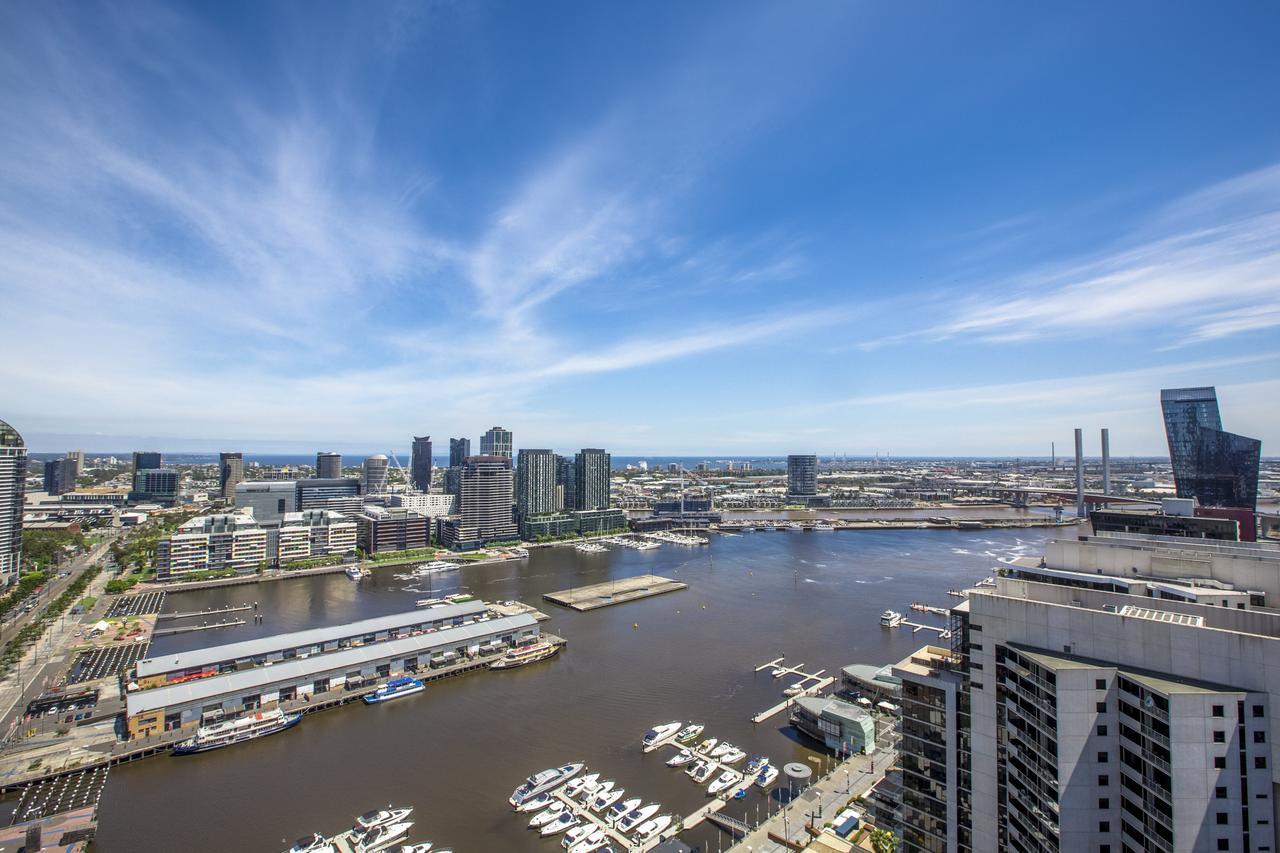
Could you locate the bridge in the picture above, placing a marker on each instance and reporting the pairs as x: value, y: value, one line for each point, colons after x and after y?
x: 1019, y: 495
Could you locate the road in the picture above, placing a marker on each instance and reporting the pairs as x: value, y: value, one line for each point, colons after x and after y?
x: 15, y: 620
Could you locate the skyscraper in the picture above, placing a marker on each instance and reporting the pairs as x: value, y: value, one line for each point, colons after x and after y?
x: 60, y: 476
x: 77, y: 456
x: 485, y: 506
x: 591, y: 478
x: 13, y: 482
x: 1218, y: 468
x: 566, y: 483
x: 373, y: 477
x: 535, y: 483
x: 145, y: 460
x: 496, y: 442
x: 802, y: 475
x: 231, y: 470
x: 459, y: 450
x: 328, y: 465
x: 420, y: 464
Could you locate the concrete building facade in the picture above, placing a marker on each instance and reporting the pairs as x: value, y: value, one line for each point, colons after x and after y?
x: 328, y: 465
x: 592, y: 469
x: 392, y: 529
x: 13, y: 489
x: 420, y: 464
x: 230, y: 472
x: 485, y: 510
x: 212, y: 543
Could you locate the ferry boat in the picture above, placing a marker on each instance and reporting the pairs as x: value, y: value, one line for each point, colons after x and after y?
x: 891, y: 619
x: 531, y: 653
x: 544, y: 781
x: 256, y: 725
x: 394, y: 689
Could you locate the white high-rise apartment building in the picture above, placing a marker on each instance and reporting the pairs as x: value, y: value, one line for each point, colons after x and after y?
x: 13, y: 480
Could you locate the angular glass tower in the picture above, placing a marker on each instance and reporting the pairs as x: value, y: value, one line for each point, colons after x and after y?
x: 1217, y: 468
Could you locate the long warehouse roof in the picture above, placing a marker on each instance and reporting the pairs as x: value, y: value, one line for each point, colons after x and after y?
x: 297, y: 668
x: 301, y: 639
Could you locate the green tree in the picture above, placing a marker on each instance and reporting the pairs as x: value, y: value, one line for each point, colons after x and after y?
x: 883, y: 841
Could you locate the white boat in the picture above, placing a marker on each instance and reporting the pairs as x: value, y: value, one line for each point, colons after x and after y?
x: 378, y: 817
x: 652, y: 828
x: 381, y: 837
x: 722, y: 749
x: 544, y: 780
x: 794, y: 690
x: 526, y: 654
x: 255, y: 725
x: 580, y: 784
x: 701, y: 771
x: 353, y: 572
x: 603, y: 801
x: 779, y: 672
x: 547, y: 815
x: 756, y: 763
x: 576, y: 834
x: 423, y: 847
x: 566, y: 820
x: 891, y: 619
x: 681, y: 758
x: 690, y: 733
x: 620, y: 810
x: 535, y: 803
x: 706, y: 746
x: 594, y: 840
x: 725, y: 780
x: 767, y: 776
x: 637, y: 817
x: 660, y: 734
x: 590, y: 792
x: 733, y: 756
x: 314, y: 843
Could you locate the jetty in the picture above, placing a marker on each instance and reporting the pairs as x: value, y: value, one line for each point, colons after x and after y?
x: 594, y: 596
x: 215, y: 611
x: 809, y: 683
x: 186, y: 629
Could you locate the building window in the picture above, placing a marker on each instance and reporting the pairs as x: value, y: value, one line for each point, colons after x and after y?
x: 1224, y: 844
x: 1217, y: 711
x: 1219, y: 761
x: 1104, y: 780
x: 1104, y: 803
x: 1219, y: 737
x: 1104, y: 826
x: 1222, y: 818
x: 1260, y: 763
x: 1257, y: 710
x: 1102, y: 707
x: 1102, y: 758
x: 1220, y: 792
x: 1259, y: 736
x: 1100, y: 684
x: 1102, y: 730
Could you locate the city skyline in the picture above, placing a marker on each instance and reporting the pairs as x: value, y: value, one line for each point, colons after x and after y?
x: 822, y: 246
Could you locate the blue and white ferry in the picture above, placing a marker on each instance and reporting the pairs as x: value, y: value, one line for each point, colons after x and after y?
x: 394, y: 689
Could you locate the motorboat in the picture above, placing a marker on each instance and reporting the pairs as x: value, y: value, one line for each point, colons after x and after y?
x: 681, y: 758
x: 722, y: 749
x: 604, y: 800
x: 394, y: 689
x: 545, y: 780
x: 706, y: 746
x: 423, y: 847
x: 590, y: 792
x: 637, y: 817
x: 535, y: 803
x: 690, y: 733
x: 701, y: 771
x: 382, y: 837
x: 794, y: 690
x: 527, y: 654
x: 658, y: 734
x: 891, y: 619
x: 314, y: 843
x: 353, y: 572
x: 547, y: 815
x: 725, y: 780
x: 767, y: 776
x: 565, y: 821
x: 756, y: 763
x: 594, y: 840
x: 580, y: 784
x: 620, y: 810
x: 778, y: 672
x: 379, y: 817
x: 733, y: 756
x: 239, y: 730
x: 579, y: 832
x: 652, y: 828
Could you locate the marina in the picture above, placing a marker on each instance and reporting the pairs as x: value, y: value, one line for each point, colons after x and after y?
x: 809, y: 684
x: 606, y: 594
x: 187, y: 629
x: 211, y: 612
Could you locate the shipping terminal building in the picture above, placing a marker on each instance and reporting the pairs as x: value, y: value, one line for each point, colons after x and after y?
x: 218, y: 682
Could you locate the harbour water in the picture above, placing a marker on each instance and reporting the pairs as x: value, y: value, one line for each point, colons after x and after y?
x: 456, y: 751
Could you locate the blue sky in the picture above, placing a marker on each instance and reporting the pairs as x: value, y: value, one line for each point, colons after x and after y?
x: 659, y: 228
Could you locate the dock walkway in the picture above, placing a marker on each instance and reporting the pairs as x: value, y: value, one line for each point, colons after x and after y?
x: 584, y: 598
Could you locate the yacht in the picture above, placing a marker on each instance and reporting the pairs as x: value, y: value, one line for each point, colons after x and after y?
x: 394, y: 689
x: 547, y: 815
x: 652, y: 828
x: 756, y: 763
x: 576, y: 834
x: 353, y: 572
x: 580, y: 784
x: 566, y: 820
x: 722, y: 749
x: 701, y: 771
x: 604, y: 800
x: 381, y: 837
x: 778, y: 672
x: 767, y: 776
x: 314, y: 843
x: 706, y: 746
x: 637, y: 817
x: 591, y: 791
x: 891, y: 619
x: 255, y: 725
x: 594, y: 840
x: 531, y: 653
x: 423, y: 847
x: 378, y: 817
x: 544, y: 781
x: 733, y: 756
x: 794, y: 690
x: 535, y: 803
x: 689, y: 733
x: 725, y: 780
x: 620, y: 810
x: 658, y: 734
x: 681, y: 758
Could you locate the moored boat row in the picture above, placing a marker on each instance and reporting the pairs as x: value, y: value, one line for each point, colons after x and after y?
x: 373, y: 832
x: 589, y: 811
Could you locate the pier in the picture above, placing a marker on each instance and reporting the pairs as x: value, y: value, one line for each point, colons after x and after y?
x: 191, y: 614
x: 187, y: 629
x: 819, y: 683
x: 605, y: 594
